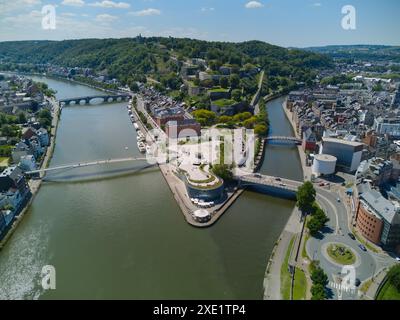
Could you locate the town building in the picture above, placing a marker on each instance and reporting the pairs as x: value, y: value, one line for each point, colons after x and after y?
x: 183, y: 128
x: 389, y: 126
x: 348, y: 153
x: 378, y: 219
x: 13, y: 178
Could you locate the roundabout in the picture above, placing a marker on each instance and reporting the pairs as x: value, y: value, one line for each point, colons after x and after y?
x: 340, y: 254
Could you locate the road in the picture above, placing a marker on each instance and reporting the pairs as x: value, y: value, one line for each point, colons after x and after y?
x: 368, y: 263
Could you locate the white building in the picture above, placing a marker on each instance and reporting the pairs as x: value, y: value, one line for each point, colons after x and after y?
x: 324, y: 164
x: 390, y: 126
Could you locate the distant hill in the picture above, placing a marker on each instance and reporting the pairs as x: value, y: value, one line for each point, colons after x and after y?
x: 129, y: 58
x: 360, y: 52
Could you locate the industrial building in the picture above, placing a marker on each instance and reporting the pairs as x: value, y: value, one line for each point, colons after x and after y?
x: 348, y: 153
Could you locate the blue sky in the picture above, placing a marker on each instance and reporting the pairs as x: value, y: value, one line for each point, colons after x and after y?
x: 298, y: 23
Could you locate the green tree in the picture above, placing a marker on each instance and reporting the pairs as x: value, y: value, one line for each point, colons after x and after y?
x: 45, y: 117
x: 224, y: 82
x: 224, y: 119
x: 318, y: 276
x: 237, y: 95
x: 223, y: 171
x: 242, y: 116
x: 234, y: 81
x: 261, y: 129
x: 205, y: 117
x: 318, y: 292
x: 250, y: 122
x: 317, y: 221
x: 305, y: 197
x: 21, y: 117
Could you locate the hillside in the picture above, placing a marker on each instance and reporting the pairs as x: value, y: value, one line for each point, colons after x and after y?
x: 132, y: 58
x: 360, y: 52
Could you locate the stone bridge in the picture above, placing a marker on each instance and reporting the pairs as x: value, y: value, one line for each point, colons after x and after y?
x: 105, y: 99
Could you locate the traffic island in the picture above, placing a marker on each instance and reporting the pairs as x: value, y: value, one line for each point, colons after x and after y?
x: 341, y: 254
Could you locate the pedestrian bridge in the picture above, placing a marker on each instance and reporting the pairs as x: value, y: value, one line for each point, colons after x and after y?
x: 86, y: 100
x: 283, y: 139
x: 86, y: 164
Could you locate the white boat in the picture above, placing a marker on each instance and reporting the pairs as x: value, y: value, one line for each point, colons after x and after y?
x: 142, y: 147
x: 136, y: 126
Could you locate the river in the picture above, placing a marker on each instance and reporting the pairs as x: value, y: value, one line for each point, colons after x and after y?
x: 115, y: 232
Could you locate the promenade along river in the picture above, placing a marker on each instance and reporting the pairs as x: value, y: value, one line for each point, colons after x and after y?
x: 116, y: 232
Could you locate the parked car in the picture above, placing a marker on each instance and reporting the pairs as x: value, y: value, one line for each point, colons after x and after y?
x: 257, y: 175
x: 358, y: 282
x: 363, y: 248
x: 398, y: 259
x: 321, y: 184
x: 278, y: 179
x: 351, y: 236
x: 338, y: 199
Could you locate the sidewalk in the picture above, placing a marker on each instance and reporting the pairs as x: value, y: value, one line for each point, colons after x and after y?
x: 272, y: 278
x: 373, y: 288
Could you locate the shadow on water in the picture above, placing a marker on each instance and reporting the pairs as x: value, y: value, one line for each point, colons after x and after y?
x: 100, y: 176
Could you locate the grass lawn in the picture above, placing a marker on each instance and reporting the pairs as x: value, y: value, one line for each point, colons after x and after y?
x: 3, y: 162
x: 388, y: 292
x: 364, y: 288
x: 304, y: 254
x: 300, y: 285
x: 218, y: 89
x: 224, y: 103
x: 285, y: 274
x: 341, y: 254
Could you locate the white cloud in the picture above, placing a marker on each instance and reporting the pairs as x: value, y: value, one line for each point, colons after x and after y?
x: 73, y: 3
x: 105, y: 18
x: 146, y: 12
x: 207, y: 9
x: 254, y: 5
x: 110, y: 4
x: 17, y: 6
x: 68, y: 14
x: 32, y: 2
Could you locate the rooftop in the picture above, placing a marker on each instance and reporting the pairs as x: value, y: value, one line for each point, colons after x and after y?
x: 341, y: 141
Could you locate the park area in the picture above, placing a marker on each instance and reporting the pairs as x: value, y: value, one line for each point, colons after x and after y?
x: 3, y: 162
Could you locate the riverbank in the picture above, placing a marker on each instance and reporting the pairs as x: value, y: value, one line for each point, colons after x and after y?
x: 35, y: 184
x: 305, y: 168
x: 292, y: 233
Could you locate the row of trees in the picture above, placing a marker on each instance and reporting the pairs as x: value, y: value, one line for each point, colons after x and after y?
x: 319, y: 282
x: 306, y: 203
x: 259, y: 123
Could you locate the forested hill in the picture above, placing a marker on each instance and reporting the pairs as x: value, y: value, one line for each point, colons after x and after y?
x: 133, y: 57
x: 361, y: 52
